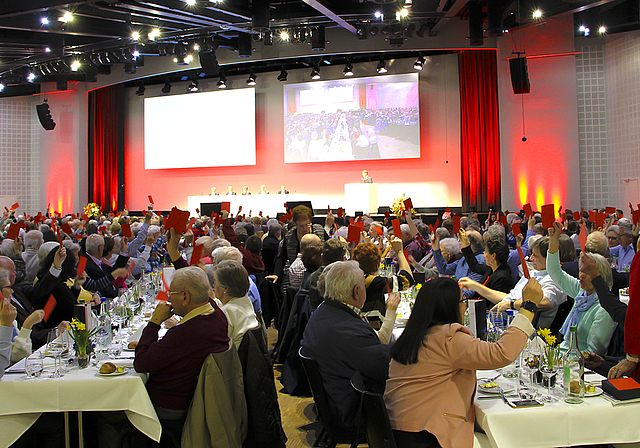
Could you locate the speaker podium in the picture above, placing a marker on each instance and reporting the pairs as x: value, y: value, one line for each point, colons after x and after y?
x: 361, y: 198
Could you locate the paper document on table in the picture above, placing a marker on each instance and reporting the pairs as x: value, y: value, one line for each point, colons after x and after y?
x: 615, y: 402
x: 17, y: 367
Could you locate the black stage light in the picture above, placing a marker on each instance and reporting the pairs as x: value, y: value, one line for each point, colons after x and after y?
x: 419, y: 64
x: 193, y: 87
x: 315, y: 73
x: 283, y: 75
x: 251, y: 80
x: 382, y: 67
x: 222, y: 83
x: 166, y: 88
x: 140, y: 91
x: 348, y: 69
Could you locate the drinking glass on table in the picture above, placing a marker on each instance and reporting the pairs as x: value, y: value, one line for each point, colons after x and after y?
x: 33, y: 365
x: 548, y: 370
x: 56, y: 345
x: 529, y: 365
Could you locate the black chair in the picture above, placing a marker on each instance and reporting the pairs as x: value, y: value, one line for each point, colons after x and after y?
x: 331, y: 433
x: 373, y: 413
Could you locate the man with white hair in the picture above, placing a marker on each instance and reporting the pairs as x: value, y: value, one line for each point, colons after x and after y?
x: 342, y: 342
x: 100, y: 276
x: 624, y: 252
x: 32, y: 242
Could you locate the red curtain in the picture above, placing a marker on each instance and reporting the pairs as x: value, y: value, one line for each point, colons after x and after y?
x: 480, y: 132
x: 106, y: 148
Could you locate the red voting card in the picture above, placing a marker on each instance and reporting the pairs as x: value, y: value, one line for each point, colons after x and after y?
x: 583, y: 237
x: 600, y: 217
x: 359, y: 225
x: 353, y: 234
x: 396, y: 228
x: 576, y: 216
x: 192, y: 221
x: 260, y: 213
x: 150, y: 199
x: 177, y: 219
x: 66, y: 228
x: 528, y: 211
x: 225, y: 206
x: 60, y: 234
x: 525, y: 268
x: 516, y: 229
x: 437, y: 223
x: 126, y: 230
x: 196, y: 254
x: 14, y: 231
x: 282, y: 218
x: 387, y: 215
x: 340, y: 212
x: 239, y: 209
x: 503, y: 220
x: 82, y: 263
x: 358, y: 218
x: 218, y: 220
x: 636, y: 216
x: 162, y: 295
x: 610, y: 210
x: 197, y: 210
x: 6, y: 209
x: 15, y: 206
x: 456, y: 224
x: 408, y: 205
x: 48, y: 307
x: 379, y: 230
x: 592, y: 216
x: 328, y: 209
x: 430, y: 228
x: 351, y: 221
x: 548, y: 216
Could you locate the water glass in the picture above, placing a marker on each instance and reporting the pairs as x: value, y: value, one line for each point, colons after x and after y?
x: 115, y: 350
x: 33, y: 365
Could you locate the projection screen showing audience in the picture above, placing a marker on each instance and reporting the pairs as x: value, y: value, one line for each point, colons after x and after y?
x: 352, y: 119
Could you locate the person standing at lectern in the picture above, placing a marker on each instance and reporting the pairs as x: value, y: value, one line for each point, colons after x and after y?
x: 365, y: 178
x: 230, y: 191
x: 245, y: 191
x: 283, y: 190
x: 214, y: 192
x: 263, y: 189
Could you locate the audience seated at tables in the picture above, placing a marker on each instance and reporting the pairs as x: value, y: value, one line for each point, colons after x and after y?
x: 270, y: 245
x: 342, y: 343
x: 231, y: 285
x: 100, y: 277
x: 32, y: 242
x: 174, y: 362
x: 251, y: 259
x: 496, y: 273
x: 432, y: 375
x: 624, y: 252
x: 497, y: 232
x: 297, y: 269
x: 595, y: 326
x: 332, y: 250
x: 552, y: 294
x: 457, y: 267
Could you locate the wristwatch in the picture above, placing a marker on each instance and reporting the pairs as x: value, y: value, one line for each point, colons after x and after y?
x: 529, y: 306
x: 512, y: 304
x: 632, y: 358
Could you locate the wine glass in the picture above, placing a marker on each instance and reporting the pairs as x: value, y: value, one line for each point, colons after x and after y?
x: 33, y: 365
x: 548, y: 370
x: 56, y: 344
x: 529, y: 364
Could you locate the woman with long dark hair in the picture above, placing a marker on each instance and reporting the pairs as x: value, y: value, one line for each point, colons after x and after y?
x: 432, y: 375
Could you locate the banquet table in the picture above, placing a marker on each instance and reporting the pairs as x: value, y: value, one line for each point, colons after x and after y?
x: 24, y: 399
x: 596, y: 421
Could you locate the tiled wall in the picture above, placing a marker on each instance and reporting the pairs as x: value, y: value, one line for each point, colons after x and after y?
x: 622, y: 59
x: 592, y: 124
x: 20, y: 152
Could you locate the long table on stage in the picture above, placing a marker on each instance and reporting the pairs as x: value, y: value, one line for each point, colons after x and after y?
x: 268, y: 204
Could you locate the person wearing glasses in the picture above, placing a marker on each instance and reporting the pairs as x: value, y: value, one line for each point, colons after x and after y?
x: 432, y: 374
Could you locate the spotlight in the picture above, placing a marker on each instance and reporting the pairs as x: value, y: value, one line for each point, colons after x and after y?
x: 190, y: 2
x: 47, y: 50
x: 193, y: 87
x: 587, y: 31
x: 75, y: 66
x: 404, y: 12
x: 382, y: 67
x: 66, y: 17
x: 582, y: 28
x: 140, y: 91
x: 537, y: 14
x: 31, y: 77
x: 418, y: 65
x: 315, y: 73
x: 166, y: 88
x: 154, y: 34
x: 44, y: 20
x: 222, y: 83
x: 135, y: 35
x: 602, y: 30
x: 378, y: 15
x: 1, y: 87
x: 196, y: 47
x: 284, y: 36
x: 283, y: 75
x: 374, y: 30
x: 348, y: 69
x: 251, y: 80
x: 135, y: 53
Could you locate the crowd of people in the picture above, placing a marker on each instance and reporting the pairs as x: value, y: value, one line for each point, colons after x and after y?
x: 334, y: 300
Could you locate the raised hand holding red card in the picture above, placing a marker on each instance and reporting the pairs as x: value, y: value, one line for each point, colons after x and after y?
x: 177, y: 220
x: 548, y: 216
x: 353, y: 234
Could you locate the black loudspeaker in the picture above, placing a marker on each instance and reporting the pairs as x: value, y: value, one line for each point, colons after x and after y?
x: 45, y: 117
x: 519, y: 75
x: 209, y: 64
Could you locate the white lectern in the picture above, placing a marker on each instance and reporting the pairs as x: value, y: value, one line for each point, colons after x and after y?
x: 361, y: 198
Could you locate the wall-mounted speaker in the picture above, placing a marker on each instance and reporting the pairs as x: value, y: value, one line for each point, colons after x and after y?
x: 519, y: 75
x: 45, y: 116
x: 209, y: 63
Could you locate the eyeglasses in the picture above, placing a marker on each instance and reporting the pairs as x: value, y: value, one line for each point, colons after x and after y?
x: 174, y: 293
x: 465, y: 301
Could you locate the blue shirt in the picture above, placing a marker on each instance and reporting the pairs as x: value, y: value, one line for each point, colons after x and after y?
x: 625, y: 256
x: 254, y: 295
x: 459, y: 268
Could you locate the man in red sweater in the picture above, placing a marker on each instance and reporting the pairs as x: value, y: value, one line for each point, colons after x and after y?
x: 174, y: 362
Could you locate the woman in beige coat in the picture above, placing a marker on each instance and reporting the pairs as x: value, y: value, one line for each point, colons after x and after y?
x: 432, y: 375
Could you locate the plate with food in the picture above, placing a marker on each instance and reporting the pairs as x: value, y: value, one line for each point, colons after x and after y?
x: 591, y: 390
x: 110, y: 369
x: 494, y: 388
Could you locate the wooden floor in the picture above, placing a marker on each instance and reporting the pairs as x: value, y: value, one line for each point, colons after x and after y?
x: 298, y: 417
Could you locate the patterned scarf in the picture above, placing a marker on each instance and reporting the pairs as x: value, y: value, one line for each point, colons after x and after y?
x: 582, y: 303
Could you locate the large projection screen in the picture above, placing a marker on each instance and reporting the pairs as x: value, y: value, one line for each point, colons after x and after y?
x: 197, y: 130
x: 352, y: 119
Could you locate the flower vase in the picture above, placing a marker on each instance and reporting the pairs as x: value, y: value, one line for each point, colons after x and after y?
x: 83, y: 360
x: 545, y: 380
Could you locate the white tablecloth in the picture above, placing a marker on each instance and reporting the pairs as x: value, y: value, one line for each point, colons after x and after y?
x: 557, y: 424
x: 23, y: 399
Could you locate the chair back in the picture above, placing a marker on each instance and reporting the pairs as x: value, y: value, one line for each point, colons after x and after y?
x: 374, y: 416
x: 320, y: 396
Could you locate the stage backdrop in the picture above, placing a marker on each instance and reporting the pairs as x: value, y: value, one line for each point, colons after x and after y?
x: 431, y: 180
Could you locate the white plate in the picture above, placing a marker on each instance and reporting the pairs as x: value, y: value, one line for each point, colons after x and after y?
x: 496, y: 390
x: 116, y: 373
x: 598, y: 391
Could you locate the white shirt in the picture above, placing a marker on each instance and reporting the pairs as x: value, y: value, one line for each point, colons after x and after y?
x: 241, y: 317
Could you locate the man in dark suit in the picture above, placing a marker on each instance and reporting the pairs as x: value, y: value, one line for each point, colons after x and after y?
x: 21, y: 295
x: 100, y: 277
x: 283, y: 190
x: 230, y: 191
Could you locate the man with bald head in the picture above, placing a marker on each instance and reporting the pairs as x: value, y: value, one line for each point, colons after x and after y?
x: 100, y: 276
x: 174, y: 362
x: 297, y: 269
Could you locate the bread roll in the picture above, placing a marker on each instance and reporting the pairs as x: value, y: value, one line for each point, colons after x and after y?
x: 132, y: 345
x: 108, y: 367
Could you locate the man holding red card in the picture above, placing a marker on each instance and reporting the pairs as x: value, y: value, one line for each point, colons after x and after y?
x: 100, y: 277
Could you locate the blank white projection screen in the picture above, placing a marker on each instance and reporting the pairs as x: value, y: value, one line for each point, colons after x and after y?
x: 197, y: 130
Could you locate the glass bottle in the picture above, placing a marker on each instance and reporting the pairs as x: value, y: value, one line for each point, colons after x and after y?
x: 104, y: 335
x: 573, y: 362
